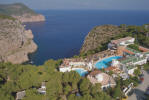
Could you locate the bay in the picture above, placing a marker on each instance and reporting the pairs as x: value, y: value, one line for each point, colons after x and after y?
x: 63, y: 32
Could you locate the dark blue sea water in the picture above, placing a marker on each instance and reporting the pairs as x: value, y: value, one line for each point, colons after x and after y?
x: 63, y: 32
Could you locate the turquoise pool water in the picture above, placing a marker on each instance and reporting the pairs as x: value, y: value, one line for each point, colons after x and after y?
x: 104, y: 63
x: 81, y: 72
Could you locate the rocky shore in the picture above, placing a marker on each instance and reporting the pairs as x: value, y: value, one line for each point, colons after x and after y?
x: 22, y: 54
x: 15, y: 42
x: 30, y: 18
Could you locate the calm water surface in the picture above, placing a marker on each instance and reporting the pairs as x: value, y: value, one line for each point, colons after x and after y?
x: 63, y: 32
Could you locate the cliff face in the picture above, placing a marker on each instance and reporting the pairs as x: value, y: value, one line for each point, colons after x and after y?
x: 98, y: 36
x: 21, y: 12
x: 30, y: 18
x: 15, y: 42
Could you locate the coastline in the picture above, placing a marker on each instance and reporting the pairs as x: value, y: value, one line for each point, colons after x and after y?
x: 30, y: 18
x: 21, y: 55
x: 17, y: 43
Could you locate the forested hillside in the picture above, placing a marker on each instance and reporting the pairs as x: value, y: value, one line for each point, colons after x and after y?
x: 15, y: 9
x: 60, y: 86
x: 21, y: 12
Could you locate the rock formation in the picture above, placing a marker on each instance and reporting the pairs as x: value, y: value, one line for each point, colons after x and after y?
x: 31, y: 18
x: 15, y: 42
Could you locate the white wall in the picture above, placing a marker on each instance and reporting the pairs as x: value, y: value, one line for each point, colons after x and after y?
x: 131, y: 40
x: 131, y: 71
x: 77, y: 63
x: 107, y: 86
x: 141, y: 62
x: 125, y: 43
x: 65, y: 69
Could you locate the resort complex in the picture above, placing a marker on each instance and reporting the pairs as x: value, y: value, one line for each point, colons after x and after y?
x: 120, y: 59
x: 84, y: 50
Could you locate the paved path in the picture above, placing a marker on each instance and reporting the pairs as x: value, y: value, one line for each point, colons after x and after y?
x: 140, y: 90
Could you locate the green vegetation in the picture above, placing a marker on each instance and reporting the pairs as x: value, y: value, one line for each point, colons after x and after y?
x: 138, y: 32
x: 2, y: 16
x: 15, y: 9
x: 117, y: 92
x: 101, y: 47
x: 146, y: 67
x: 98, y: 38
x: 137, y: 72
x: 59, y: 85
x: 134, y: 80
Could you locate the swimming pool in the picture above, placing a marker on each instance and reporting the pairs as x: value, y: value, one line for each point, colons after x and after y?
x: 81, y: 72
x: 104, y: 63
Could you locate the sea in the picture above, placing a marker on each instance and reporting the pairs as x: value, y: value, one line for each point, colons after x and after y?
x: 63, y: 32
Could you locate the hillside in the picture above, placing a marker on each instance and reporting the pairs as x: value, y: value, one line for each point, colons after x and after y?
x: 99, y: 36
x: 21, y: 12
x: 59, y: 86
x: 6, y: 17
x: 15, y: 41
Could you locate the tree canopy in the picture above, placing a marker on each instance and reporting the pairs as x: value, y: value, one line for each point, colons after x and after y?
x: 15, y: 78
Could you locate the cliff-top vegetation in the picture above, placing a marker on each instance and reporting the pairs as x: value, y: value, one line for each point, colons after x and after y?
x: 2, y: 16
x: 16, y: 9
x: 59, y: 86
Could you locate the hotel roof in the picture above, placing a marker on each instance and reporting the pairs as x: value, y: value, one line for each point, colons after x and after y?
x: 133, y: 50
x: 128, y: 51
x: 95, y: 72
x: 114, y: 69
x: 20, y: 95
x: 143, y: 49
x: 120, y: 40
x: 107, y: 79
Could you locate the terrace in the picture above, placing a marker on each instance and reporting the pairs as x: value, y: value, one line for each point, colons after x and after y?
x: 130, y: 67
x: 123, y: 41
x: 132, y: 50
x: 131, y: 60
x: 104, y: 79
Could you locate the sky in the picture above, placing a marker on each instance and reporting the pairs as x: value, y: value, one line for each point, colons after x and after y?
x: 84, y: 4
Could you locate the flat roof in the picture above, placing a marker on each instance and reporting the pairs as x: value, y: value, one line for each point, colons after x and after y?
x: 95, y: 72
x: 121, y: 39
x: 132, y: 59
x: 132, y: 50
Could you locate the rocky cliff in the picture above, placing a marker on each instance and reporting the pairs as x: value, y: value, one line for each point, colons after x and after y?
x: 15, y: 42
x: 30, y: 18
x: 21, y: 12
x: 98, y: 36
